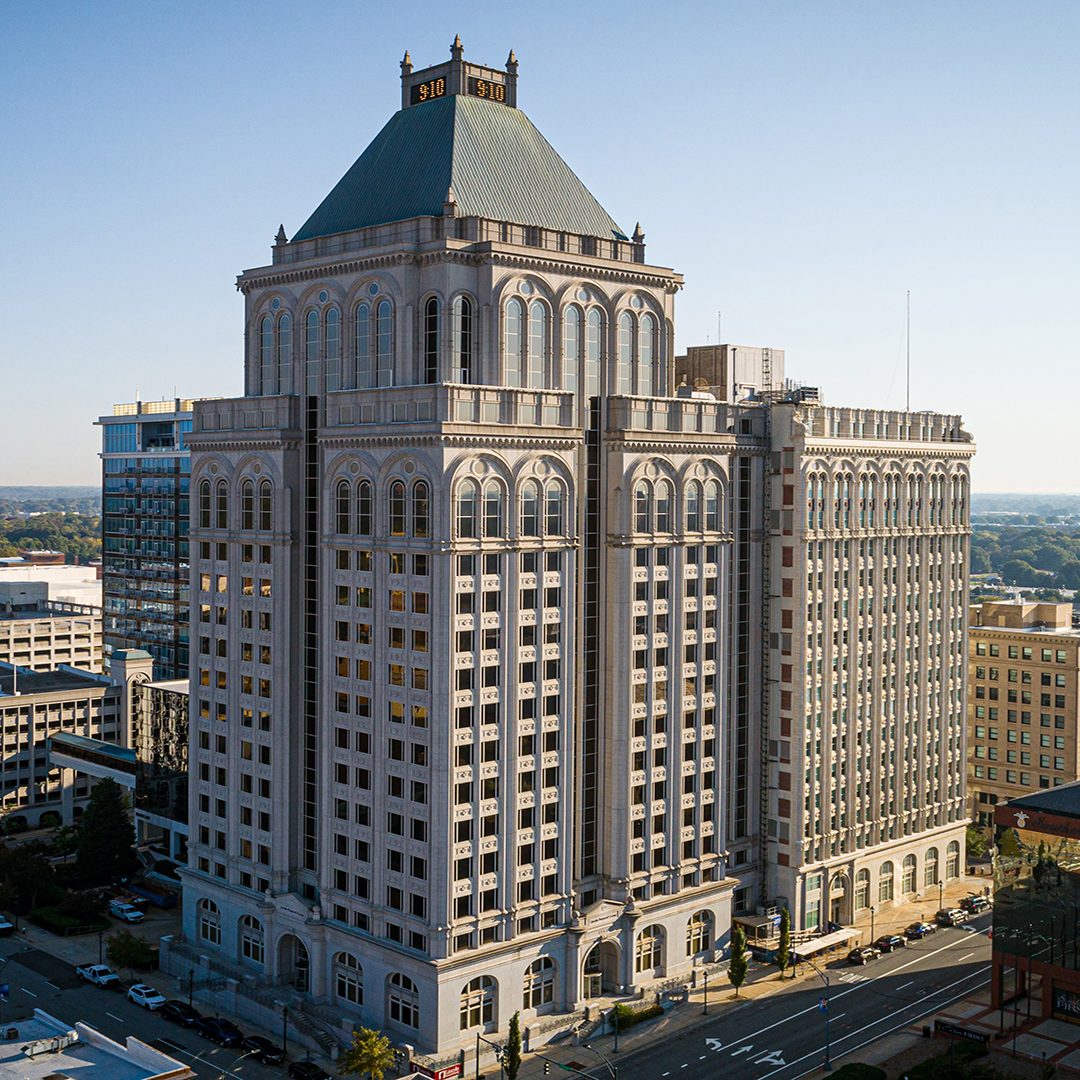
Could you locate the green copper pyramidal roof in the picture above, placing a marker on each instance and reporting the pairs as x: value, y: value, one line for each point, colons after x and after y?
x: 492, y: 156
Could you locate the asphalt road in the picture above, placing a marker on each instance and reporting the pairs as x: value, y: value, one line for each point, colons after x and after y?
x: 37, y: 980
x: 782, y: 1036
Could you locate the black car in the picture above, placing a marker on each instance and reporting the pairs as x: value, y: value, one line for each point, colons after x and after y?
x: 308, y: 1070
x: 863, y: 955
x: 888, y: 942
x: 179, y: 1012
x: 918, y: 930
x: 975, y: 905
x: 214, y: 1028
x: 262, y: 1049
x: 950, y: 917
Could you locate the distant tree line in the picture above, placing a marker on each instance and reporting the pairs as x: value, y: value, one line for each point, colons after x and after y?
x: 79, y: 535
x: 1035, y: 557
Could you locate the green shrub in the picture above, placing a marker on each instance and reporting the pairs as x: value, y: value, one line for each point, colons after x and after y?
x: 626, y: 1017
x: 55, y: 921
x: 957, y: 1063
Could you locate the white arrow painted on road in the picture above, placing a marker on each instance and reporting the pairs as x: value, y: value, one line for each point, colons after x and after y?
x: 773, y: 1057
x: 742, y: 1050
x: 714, y: 1044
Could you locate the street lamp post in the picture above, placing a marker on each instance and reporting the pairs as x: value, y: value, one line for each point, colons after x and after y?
x: 705, y: 1003
x: 285, y: 1030
x: 613, y: 1070
x: 498, y: 1054
x: 100, y: 946
x: 940, y: 894
x: 872, y: 910
x: 190, y: 985
x: 827, y: 1063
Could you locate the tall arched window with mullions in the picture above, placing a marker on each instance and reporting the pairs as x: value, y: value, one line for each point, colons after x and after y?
x: 430, y: 372
x: 266, y: 506
x: 493, y: 509
x: 512, y: 343
x: 333, y: 349
x: 384, y: 344
x: 311, y: 352
x: 421, y: 509
x: 284, y: 355
x: 625, y: 357
x: 247, y: 505
x: 221, y: 506
x: 538, y: 339
x: 646, y: 355
x: 571, y: 357
x: 664, y: 500
x: 554, y: 517
x: 642, y: 507
x: 363, y: 508
x: 365, y: 376
x: 530, y: 508
x: 693, y: 506
x: 594, y: 351
x: 463, y: 340
x: 342, y: 508
x: 466, y: 510
x: 267, y: 382
x: 397, y: 508
x: 204, y: 504
x: 713, y: 513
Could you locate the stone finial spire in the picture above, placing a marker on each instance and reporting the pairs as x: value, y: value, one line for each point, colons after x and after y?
x: 449, y: 206
x: 511, y: 63
x: 456, y: 50
x: 406, y: 64
x: 639, y: 236
x: 281, y: 238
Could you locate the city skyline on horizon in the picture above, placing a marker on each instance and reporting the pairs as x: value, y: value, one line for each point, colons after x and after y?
x: 853, y: 182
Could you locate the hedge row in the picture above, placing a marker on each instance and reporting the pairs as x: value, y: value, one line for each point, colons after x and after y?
x: 56, y: 921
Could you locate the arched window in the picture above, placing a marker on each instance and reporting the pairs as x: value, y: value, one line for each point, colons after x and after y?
x: 463, y: 339
x: 512, y: 334
x: 538, y: 338
x: 822, y: 484
x: 466, y: 510
x: 365, y: 377
x: 530, y: 508
x: 363, y: 508
x: 663, y: 506
x: 266, y: 357
x: 342, y: 508
x: 713, y: 515
x: 266, y: 506
x: 539, y: 986
x: 333, y: 349
x: 221, y: 505
x: 209, y: 922
x: 403, y: 1001
x: 477, y: 1003
x: 594, y: 351
x: 284, y: 355
x: 810, y: 502
x: 430, y: 371
x: 693, y: 506
x: 907, y: 876
x: 625, y: 355
x: 311, y: 352
x: 348, y: 978
x: 862, y: 890
x: 571, y: 358
x: 952, y: 860
x: 554, y: 524
x: 649, y: 950
x: 642, y: 507
x: 885, y: 881
x: 252, y: 939
x: 699, y: 933
x: 421, y: 509
x: 646, y: 356
x: 204, y: 504
x: 493, y: 509
x: 397, y: 508
x: 384, y: 344
x: 247, y: 505
x: 930, y: 868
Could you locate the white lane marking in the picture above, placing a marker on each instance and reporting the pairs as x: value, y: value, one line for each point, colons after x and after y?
x: 873, y: 1023
x: 702, y: 1058
x: 907, y: 984
x: 964, y: 957
x: 25, y: 991
x: 838, y: 1016
x: 52, y: 984
x: 115, y: 1017
x: 686, y: 1066
x: 859, y: 986
x: 665, y: 1074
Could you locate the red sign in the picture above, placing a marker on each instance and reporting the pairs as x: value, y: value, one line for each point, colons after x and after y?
x: 448, y: 1072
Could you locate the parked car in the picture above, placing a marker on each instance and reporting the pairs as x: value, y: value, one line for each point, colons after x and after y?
x: 863, y: 955
x: 950, y: 917
x: 146, y: 996
x: 888, y: 942
x: 975, y: 905
x: 98, y: 974
x: 6, y: 927
x: 214, y: 1028
x: 179, y: 1012
x: 262, y: 1049
x: 918, y: 930
x: 308, y: 1070
x: 119, y: 909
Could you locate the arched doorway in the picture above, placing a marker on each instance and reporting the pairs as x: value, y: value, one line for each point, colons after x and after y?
x: 600, y: 974
x: 840, y: 898
x: 294, y: 964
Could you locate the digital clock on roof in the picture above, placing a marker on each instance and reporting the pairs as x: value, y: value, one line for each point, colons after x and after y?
x: 425, y: 91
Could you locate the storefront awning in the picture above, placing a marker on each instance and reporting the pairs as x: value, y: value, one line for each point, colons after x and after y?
x: 827, y: 941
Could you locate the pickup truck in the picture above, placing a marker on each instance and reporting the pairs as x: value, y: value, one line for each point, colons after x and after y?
x: 98, y: 974
x: 128, y: 912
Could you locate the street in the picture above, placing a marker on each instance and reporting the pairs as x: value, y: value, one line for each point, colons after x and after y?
x: 38, y: 980
x: 782, y: 1036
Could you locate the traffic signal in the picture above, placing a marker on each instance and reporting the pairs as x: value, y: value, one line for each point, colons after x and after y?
x: 547, y: 1068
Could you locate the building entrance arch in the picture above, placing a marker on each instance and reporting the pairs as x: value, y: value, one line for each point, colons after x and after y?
x: 294, y: 963
x: 600, y: 973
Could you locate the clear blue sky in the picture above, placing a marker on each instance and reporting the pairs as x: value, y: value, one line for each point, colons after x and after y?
x: 803, y: 164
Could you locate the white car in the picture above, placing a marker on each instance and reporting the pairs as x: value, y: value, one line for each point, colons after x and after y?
x: 128, y: 912
x: 98, y: 974
x: 146, y: 996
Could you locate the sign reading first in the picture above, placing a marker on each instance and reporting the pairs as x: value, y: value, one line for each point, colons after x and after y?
x: 437, y: 88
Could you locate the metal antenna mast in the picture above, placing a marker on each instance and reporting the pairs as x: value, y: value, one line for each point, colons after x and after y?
x: 908, y: 336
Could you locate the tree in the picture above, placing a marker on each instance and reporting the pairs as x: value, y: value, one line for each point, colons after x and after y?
x: 370, y: 1053
x: 738, y: 965
x: 27, y: 877
x: 126, y: 950
x: 512, y: 1053
x: 105, y: 848
x: 1009, y: 844
x: 783, y: 949
x: 976, y: 841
